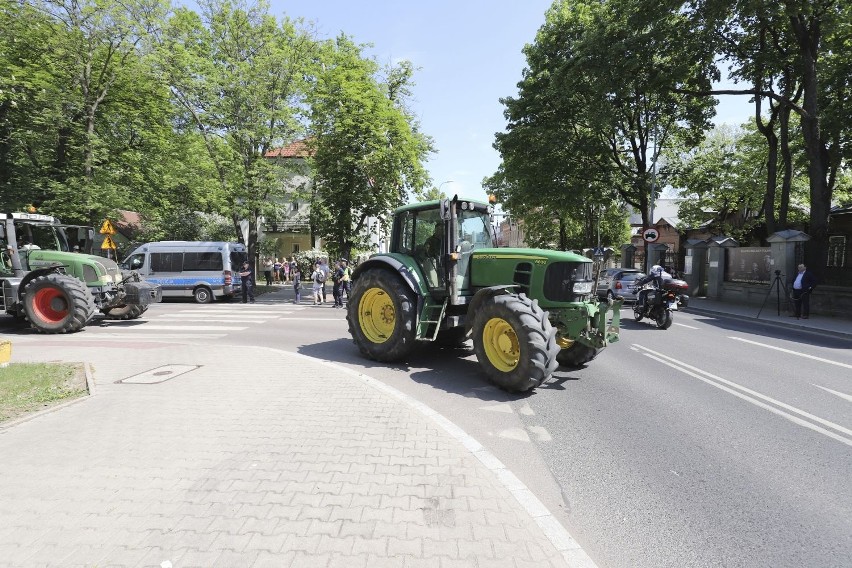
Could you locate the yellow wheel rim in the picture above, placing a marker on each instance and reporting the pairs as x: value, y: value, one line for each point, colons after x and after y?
x: 376, y: 315
x: 564, y: 342
x: 501, y: 344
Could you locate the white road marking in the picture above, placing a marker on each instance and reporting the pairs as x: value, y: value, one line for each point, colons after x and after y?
x: 220, y: 319
x: 313, y: 319
x: 840, y: 394
x: 514, y: 434
x: 190, y: 315
x: 150, y: 327
x: 541, y: 433
x: 239, y: 311
x: 714, y: 381
x: 526, y: 410
x: 791, y: 352
x: 116, y: 336
x: 684, y: 325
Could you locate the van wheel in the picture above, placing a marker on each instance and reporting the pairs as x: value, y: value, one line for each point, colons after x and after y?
x: 202, y: 295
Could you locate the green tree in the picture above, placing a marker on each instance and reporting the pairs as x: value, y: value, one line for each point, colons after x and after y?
x: 596, y: 105
x: 368, y: 148
x: 794, y: 54
x: 239, y: 77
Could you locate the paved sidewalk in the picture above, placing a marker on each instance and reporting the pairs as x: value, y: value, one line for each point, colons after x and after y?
x: 769, y: 314
x: 255, y: 457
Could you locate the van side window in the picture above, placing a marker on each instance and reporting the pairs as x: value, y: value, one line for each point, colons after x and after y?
x: 195, y: 261
x: 166, y: 261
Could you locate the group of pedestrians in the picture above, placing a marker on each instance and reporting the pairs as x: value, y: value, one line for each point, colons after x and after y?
x: 340, y: 275
x: 275, y: 271
x: 279, y: 271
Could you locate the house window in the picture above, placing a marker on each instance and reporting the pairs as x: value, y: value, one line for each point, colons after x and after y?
x: 295, y: 208
x: 837, y: 251
x: 295, y: 247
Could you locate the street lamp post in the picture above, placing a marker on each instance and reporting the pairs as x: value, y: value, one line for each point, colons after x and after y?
x: 443, y: 182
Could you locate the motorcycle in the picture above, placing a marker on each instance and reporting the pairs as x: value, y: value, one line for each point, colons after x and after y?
x: 657, y: 303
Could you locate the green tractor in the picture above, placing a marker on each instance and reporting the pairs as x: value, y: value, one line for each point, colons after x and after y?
x: 47, y: 277
x: 527, y: 310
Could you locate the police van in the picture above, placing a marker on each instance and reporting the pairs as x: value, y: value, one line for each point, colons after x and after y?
x: 201, y: 270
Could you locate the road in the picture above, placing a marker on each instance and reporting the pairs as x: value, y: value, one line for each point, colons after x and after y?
x: 715, y: 443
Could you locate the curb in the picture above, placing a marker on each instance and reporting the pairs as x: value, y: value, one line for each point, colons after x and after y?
x: 709, y: 312
x: 553, y: 530
x: 90, y: 386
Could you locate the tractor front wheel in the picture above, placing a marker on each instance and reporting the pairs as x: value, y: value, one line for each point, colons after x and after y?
x: 381, y: 315
x: 514, y: 342
x: 577, y: 355
x: 125, y: 312
x: 57, y: 303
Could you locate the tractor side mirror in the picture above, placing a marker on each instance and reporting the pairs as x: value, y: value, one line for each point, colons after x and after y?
x: 445, y: 209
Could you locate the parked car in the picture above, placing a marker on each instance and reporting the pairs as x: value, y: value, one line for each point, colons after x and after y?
x: 618, y: 282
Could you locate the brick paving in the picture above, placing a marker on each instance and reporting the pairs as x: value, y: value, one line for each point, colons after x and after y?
x: 256, y: 458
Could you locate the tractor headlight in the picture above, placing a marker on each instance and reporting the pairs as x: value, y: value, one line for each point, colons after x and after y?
x: 582, y: 288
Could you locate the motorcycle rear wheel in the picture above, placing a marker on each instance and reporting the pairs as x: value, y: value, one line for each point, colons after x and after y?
x: 664, y: 319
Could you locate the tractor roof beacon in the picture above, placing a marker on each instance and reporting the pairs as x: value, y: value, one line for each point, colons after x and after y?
x: 527, y: 310
x: 56, y: 289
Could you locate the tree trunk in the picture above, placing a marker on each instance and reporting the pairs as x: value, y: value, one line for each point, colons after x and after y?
x: 808, y: 36
x: 768, y: 131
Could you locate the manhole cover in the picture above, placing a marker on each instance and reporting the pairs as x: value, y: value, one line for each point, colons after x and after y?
x: 159, y: 375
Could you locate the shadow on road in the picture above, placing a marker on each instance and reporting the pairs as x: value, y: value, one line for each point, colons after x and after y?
x: 452, y: 370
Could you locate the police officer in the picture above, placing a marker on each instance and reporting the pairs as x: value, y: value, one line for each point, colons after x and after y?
x: 247, y: 275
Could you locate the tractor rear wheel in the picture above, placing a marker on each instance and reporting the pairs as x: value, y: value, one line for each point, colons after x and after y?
x: 57, y: 303
x: 125, y: 312
x: 381, y: 315
x: 577, y: 355
x: 514, y: 342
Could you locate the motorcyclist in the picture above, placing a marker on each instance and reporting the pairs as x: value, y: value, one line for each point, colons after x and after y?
x: 657, y: 275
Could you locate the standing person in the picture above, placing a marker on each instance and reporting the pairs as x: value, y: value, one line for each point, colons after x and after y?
x: 294, y: 266
x: 297, y: 285
x: 345, y: 280
x: 285, y: 271
x: 803, y: 285
x: 336, y: 276
x: 267, y: 270
x: 325, y: 271
x: 318, y: 279
x: 276, y: 270
x: 247, y: 276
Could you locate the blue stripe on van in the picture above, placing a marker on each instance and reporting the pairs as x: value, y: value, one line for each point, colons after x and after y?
x: 185, y: 282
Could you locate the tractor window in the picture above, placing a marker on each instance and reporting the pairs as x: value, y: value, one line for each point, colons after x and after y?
x: 474, y: 230
x: 5, y: 256
x: 406, y: 237
x: 45, y: 237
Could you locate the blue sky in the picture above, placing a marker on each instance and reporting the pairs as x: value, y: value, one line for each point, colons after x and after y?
x: 469, y: 55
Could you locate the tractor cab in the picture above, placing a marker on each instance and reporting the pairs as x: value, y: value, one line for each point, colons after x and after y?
x: 440, y: 236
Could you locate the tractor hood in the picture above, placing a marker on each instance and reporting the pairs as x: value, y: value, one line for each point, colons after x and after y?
x: 91, y: 269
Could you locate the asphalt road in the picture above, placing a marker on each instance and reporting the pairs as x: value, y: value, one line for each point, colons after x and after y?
x: 715, y: 443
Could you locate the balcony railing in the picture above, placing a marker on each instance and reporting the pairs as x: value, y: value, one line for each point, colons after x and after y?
x: 286, y: 226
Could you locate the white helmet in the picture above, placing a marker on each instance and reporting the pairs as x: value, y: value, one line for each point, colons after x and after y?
x: 656, y: 269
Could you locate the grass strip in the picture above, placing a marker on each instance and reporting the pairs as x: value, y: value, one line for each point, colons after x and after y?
x: 28, y: 387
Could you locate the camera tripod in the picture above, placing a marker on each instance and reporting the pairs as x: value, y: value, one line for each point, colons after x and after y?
x: 777, y: 283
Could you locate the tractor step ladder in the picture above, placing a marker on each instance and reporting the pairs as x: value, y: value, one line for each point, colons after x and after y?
x: 430, y: 311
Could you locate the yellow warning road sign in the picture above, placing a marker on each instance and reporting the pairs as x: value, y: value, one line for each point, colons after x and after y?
x: 108, y: 243
x: 107, y: 229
